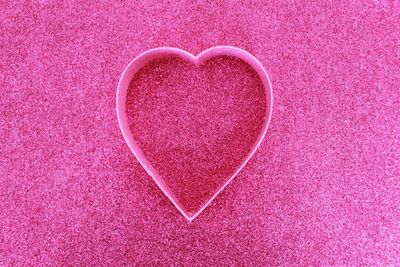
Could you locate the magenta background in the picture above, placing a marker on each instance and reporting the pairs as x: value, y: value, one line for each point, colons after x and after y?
x: 323, y: 188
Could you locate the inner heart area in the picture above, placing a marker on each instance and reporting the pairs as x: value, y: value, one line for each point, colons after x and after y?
x: 195, y: 124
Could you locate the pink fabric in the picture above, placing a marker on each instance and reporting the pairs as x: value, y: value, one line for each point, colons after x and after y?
x: 322, y: 189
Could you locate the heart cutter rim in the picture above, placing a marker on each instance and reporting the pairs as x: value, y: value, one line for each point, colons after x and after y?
x: 145, y: 57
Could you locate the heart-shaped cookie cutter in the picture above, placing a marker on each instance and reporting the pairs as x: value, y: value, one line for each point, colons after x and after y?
x: 151, y: 54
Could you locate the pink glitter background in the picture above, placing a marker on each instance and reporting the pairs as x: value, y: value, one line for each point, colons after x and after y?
x: 322, y: 189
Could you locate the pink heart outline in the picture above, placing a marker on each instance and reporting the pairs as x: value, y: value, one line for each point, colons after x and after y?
x: 151, y: 54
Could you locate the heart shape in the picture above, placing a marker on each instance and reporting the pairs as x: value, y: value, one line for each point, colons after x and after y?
x: 150, y: 55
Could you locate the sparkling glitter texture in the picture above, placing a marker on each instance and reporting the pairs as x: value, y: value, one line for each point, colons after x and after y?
x: 196, y: 125
x: 323, y: 188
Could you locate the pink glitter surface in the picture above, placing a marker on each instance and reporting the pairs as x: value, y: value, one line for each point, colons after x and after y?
x: 196, y: 125
x: 322, y: 189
